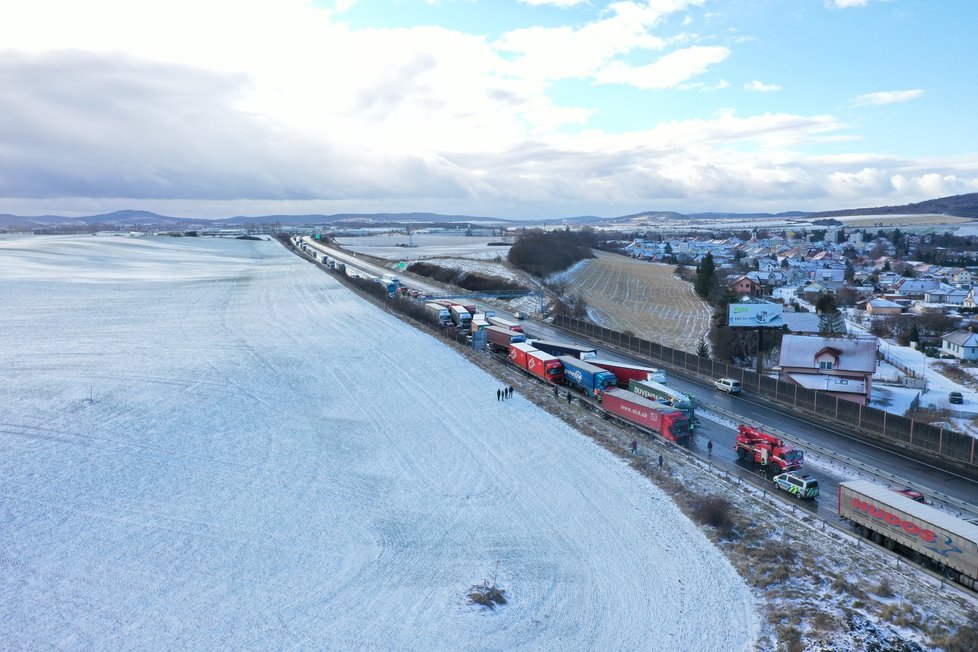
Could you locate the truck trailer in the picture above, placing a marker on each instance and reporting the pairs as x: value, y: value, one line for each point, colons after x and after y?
x: 566, y: 348
x: 504, y: 323
x: 664, y: 394
x: 460, y: 316
x: 937, y: 539
x: 540, y: 364
x: 438, y: 311
x: 669, y: 423
x: 626, y: 372
x: 501, y: 339
x: 585, y: 377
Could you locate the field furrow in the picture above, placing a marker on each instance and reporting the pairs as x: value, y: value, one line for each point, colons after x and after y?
x: 646, y: 299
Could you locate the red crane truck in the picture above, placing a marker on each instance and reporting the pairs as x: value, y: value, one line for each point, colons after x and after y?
x: 540, y: 364
x: 668, y: 422
x: 767, y: 450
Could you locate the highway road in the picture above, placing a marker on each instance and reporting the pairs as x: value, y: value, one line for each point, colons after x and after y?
x: 721, y: 430
x: 714, y: 406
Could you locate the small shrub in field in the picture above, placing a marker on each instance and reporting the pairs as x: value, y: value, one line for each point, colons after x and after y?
x: 486, y: 595
x: 715, y: 511
x: 884, y: 589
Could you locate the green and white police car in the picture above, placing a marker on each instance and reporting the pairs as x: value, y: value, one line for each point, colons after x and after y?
x: 803, y: 487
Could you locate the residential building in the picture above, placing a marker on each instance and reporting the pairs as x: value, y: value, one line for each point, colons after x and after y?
x: 839, y: 366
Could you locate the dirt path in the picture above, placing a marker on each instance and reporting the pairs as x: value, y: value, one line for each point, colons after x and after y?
x: 644, y: 298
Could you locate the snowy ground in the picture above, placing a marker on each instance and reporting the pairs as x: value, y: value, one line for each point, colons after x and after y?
x: 270, y: 462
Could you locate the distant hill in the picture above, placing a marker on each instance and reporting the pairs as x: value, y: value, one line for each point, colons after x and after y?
x: 958, y: 206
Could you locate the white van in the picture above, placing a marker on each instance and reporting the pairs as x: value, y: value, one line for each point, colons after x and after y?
x: 728, y: 385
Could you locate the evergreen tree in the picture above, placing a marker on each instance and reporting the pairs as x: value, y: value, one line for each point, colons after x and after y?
x: 702, y: 350
x: 705, y: 276
x: 914, y: 333
x: 830, y: 320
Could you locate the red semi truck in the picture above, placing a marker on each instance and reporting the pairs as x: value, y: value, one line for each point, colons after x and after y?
x: 767, y: 450
x: 661, y: 419
x: 626, y: 372
x: 540, y: 364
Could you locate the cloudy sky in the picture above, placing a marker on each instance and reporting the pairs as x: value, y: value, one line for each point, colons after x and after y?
x: 509, y: 108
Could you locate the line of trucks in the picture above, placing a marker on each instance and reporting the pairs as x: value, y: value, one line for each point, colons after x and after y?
x: 390, y: 282
x: 640, y: 396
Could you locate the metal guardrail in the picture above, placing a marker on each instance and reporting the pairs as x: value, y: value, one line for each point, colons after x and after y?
x: 944, y: 447
x: 964, y: 509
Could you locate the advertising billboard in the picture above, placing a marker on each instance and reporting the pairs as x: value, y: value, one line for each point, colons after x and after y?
x: 755, y: 315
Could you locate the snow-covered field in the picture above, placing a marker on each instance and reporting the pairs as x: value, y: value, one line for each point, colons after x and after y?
x: 209, y: 444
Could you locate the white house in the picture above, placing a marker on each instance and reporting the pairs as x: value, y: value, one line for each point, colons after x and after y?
x: 961, y: 344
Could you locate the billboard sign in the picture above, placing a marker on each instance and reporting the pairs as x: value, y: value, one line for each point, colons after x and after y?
x: 755, y: 315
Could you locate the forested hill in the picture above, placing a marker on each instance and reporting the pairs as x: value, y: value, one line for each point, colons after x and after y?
x: 957, y: 205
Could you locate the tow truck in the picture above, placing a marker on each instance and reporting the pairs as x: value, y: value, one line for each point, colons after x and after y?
x: 769, y: 451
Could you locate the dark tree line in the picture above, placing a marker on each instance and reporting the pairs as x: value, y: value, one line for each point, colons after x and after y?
x: 544, y: 253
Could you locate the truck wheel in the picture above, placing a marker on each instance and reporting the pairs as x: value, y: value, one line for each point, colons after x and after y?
x: 951, y: 574
x: 877, y: 537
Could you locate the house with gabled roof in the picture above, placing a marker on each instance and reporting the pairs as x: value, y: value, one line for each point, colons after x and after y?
x: 743, y: 285
x: 916, y: 288
x: 883, y: 307
x: 962, y: 344
x: 838, y: 366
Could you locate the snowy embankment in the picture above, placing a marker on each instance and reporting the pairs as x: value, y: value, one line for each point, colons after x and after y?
x: 270, y: 462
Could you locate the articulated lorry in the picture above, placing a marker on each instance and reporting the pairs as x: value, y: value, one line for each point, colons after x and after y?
x: 504, y: 323
x: 438, y: 311
x: 669, y: 423
x: 566, y: 348
x: 665, y: 394
x: 501, y: 339
x: 585, y: 377
x: 625, y: 372
x: 460, y: 316
x: 934, y: 538
x: 540, y: 364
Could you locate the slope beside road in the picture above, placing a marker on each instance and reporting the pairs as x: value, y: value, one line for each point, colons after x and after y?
x: 211, y: 444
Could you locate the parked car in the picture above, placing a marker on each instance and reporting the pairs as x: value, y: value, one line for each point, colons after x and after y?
x: 955, y: 397
x: 802, y: 487
x: 728, y: 385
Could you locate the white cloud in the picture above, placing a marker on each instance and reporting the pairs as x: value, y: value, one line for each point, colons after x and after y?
x: 344, y: 5
x: 556, y: 3
x: 887, y: 97
x: 668, y: 71
x: 846, y: 4
x: 223, y: 108
x: 760, y: 87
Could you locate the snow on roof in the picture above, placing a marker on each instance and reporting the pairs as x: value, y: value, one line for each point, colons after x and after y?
x: 961, y: 338
x: 854, y: 355
x: 884, y: 303
x: 830, y: 383
x: 801, y: 322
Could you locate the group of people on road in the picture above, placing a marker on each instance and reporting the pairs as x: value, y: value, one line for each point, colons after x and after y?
x: 504, y: 393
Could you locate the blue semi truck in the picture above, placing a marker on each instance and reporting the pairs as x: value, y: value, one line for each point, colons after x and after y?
x: 585, y: 377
